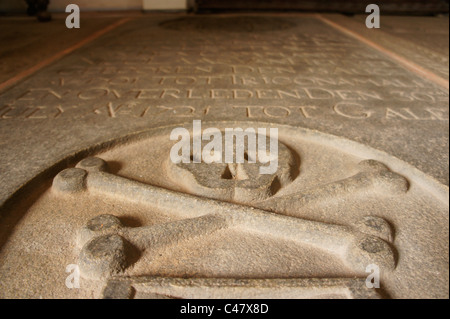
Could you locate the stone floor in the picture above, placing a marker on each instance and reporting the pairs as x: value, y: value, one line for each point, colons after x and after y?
x: 362, y: 117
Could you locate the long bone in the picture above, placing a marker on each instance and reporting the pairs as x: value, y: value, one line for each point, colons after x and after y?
x: 106, y: 248
x: 356, y: 248
x: 122, y: 287
x: 373, y: 177
x: 159, y: 235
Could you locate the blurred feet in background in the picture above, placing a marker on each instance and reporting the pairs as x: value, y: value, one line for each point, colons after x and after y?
x: 38, y: 8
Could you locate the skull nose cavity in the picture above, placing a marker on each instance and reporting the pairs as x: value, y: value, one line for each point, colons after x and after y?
x: 235, y: 172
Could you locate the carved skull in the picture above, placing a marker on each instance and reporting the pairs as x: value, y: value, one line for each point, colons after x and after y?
x: 236, y: 182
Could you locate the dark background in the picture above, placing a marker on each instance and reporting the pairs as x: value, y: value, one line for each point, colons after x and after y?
x: 418, y: 7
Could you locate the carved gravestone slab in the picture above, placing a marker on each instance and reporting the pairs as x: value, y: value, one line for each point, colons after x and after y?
x: 361, y: 179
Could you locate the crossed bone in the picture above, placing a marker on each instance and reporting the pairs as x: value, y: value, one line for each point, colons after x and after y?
x: 373, y: 177
x: 107, y: 243
x: 122, y: 287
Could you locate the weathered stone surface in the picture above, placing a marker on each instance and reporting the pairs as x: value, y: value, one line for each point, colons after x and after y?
x: 427, y: 32
x: 103, y: 257
x: 420, y: 41
x: 33, y: 42
x: 363, y: 171
x: 70, y: 180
